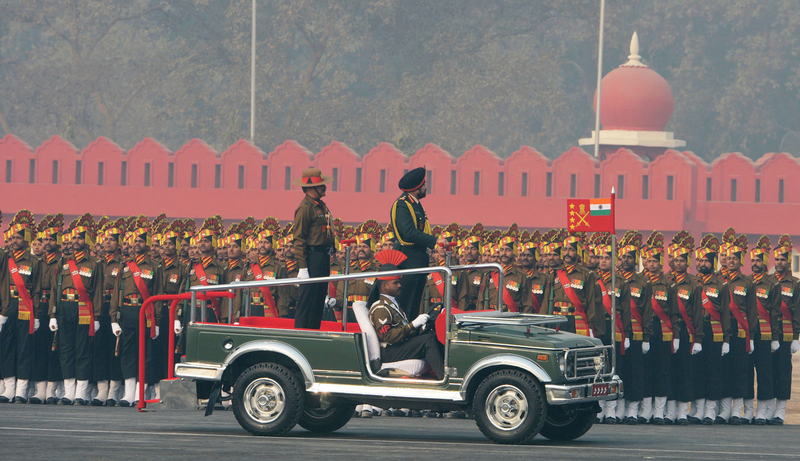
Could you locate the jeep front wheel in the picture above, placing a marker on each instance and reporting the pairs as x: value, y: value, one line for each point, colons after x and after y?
x: 509, y: 407
x: 567, y: 423
x: 267, y: 399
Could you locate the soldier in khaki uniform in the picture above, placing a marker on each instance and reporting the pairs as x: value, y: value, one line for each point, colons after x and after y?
x: 288, y: 304
x: 359, y: 290
x: 433, y: 292
x: 107, y: 367
x: 744, y: 328
x: 75, y: 309
x: 234, y: 243
x: 710, y: 381
x: 206, y: 270
x: 469, y: 294
x: 516, y: 289
x: 174, y: 275
x: 20, y: 315
x: 768, y: 298
x: 539, y: 281
x: 576, y: 301
x: 399, y: 338
x: 267, y: 301
x: 790, y: 327
x: 140, y: 279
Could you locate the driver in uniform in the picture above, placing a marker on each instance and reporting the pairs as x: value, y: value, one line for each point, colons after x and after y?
x: 401, y: 339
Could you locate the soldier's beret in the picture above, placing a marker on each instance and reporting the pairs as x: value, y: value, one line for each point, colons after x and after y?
x: 412, y: 180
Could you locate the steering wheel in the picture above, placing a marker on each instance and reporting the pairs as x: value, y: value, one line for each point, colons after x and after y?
x: 433, y: 314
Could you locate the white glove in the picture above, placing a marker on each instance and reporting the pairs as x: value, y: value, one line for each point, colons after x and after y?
x: 3, y: 321
x: 774, y: 346
x: 302, y: 273
x: 158, y: 331
x: 752, y: 346
x: 645, y: 347
x: 795, y: 346
x: 676, y: 343
x: 726, y: 347
x: 591, y: 333
x: 53, y: 325
x: 178, y: 327
x: 36, y: 324
x: 96, y: 325
x: 627, y: 343
x: 330, y: 302
x: 697, y: 348
x: 115, y: 328
x: 422, y: 319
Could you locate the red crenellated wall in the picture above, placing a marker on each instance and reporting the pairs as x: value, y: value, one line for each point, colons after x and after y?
x: 259, y: 188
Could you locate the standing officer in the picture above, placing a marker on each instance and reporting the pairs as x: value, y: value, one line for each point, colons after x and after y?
x: 18, y: 320
x: 312, y: 233
x: 744, y: 328
x: 790, y: 327
x: 414, y: 237
x: 711, y: 372
x: 768, y: 298
x: 75, y: 309
x: 107, y: 368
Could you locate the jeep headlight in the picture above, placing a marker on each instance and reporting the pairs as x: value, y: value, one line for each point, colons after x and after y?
x: 562, y: 363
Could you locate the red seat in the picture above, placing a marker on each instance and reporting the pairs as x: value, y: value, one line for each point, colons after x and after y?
x: 288, y: 324
x: 440, y: 327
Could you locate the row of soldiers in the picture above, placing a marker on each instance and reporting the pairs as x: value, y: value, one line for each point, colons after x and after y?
x: 683, y: 340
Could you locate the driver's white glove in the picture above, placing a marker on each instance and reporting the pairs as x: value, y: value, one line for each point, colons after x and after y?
x: 116, y: 329
x: 36, y: 324
x: 645, y: 347
x: 53, y: 325
x: 422, y: 319
x: 302, y: 273
x: 178, y: 327
x: 627, y: 343
x: 726, y: 347
x: 96, y: 325
x: 676, y: 344
x: 697, y: 348
x: 330, y: 302
x: 158, y: 331
x: 774, y: 346
x: 795, y: 346
x: 752, y: 346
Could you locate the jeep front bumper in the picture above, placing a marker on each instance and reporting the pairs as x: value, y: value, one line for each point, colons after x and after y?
x: 199, y: 371
x: 565, y: 394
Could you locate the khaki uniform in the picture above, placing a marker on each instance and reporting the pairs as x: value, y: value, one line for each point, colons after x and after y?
x: 237, y: 269
x: 540, y: 284
x: 688, y: 380
x: 582, y: 282
x: 271, y: 269
x: 742, y: 294
x: 215, y: 275
x: 313, y: 239
x: 16, y: 342
x: 288, y: 306
x: 768, y: 327
x: 469, y: 291
x: 516, y: 284
x: 431, y: 294
x: 47, y: 366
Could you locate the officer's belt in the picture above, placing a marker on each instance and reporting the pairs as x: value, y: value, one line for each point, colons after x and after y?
x: 132, y: 300
x: 563, y: 308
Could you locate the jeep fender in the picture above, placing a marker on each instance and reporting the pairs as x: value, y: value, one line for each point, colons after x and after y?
x: 276, y: 347
x: 503, y: 361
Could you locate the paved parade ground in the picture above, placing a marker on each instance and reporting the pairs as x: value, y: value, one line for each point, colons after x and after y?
x: 72, y: 432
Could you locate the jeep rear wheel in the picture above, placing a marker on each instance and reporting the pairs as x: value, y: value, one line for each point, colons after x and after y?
x: 329, y: 419
x: 509, y: 407
x: 567, y: 423
x: 267, y: 399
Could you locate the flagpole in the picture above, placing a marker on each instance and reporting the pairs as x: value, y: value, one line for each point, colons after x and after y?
x: 599, y: 80
x: 614, y: 286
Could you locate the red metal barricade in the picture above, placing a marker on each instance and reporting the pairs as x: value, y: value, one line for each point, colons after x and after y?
x: 147, y: 312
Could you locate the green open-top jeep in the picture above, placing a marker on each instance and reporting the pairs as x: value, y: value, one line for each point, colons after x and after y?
x: 516, y: 373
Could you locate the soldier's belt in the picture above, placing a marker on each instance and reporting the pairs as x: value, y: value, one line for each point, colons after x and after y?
x: 357, y: 298
x: 70, y: 294
x: 107, y: 294
x: 14, y: 292
x: 132, y: 300
x: 563, y: 308
x: 436, y: 300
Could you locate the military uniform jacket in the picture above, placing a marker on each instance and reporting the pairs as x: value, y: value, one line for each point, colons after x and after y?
x: 357, y: 290
x: 237, y: 270
x: 91, y: 273
x: 540, y: 284
x: 51, y: 264
x: 468, y: 294
x: 661, y: 292
x: 622, y: 304
x: 582, y: 281
x: 641, y: 292
x: 292, y: 267
x: 126, y: 293
x: 716, y: 290
x: 271, y: 269
x: 313, y: 226
x: 411, y: 228
x: 173, y: 282
x: 689, y: 292
x: 742, y: 292
x: 431, y: 295
x: 769, y: 294
x: 389, y: 321
x: 30, y: 270
x: 790, y: 294
x: 112, y: 274
x: 516, y: 284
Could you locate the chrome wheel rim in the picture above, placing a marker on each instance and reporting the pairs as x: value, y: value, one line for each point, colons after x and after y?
x: 506, y: 407
x: 264, y: 400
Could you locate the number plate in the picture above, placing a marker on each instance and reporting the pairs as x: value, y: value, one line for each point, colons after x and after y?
x: 599, y: 390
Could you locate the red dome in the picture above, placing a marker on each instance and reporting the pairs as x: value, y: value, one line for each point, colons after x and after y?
x: 635, y: 98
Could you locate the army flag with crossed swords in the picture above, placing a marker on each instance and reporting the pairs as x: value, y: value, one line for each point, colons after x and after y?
x: 591, y: 215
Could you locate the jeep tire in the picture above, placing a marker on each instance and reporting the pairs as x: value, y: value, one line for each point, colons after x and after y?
x: 509, y: 407
x: 327, y: 420
x: 268, y: 399
x: 566, y: 423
